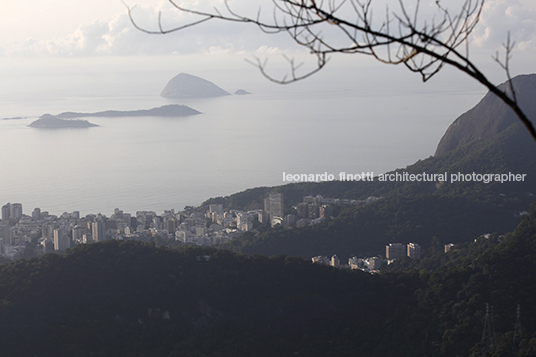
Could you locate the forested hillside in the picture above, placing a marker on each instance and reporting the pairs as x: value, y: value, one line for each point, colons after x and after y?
x: 421, y: 212
x: 132, y: 299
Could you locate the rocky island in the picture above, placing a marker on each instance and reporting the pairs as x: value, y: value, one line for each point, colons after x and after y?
x: 172, y: 110
x: 185, y: 85
x: 48, y: 121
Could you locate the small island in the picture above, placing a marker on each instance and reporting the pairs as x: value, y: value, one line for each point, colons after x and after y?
x: 14, y: 118
x: 171, y: 110
x: 241, y: 92
x: 185, y: 85
x: 48, y: 121
x: 64, y: 120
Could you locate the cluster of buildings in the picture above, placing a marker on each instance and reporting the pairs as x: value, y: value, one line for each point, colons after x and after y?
x: 214, y: 226
x: 370, y: 264
x: 396, y: 250
x: 312, y: 210
x: 57, y: 233
x: 339, y: 201
x: 373, y: 264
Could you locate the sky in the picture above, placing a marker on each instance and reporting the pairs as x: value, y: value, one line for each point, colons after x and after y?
x: 82, y: 29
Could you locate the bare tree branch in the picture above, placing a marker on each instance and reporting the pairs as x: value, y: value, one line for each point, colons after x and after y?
x: 423, y: 47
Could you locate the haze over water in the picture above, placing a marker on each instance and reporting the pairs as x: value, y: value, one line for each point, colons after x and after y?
x: 338, y: 120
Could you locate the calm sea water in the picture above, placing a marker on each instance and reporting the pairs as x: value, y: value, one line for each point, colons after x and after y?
x: 335, y: 121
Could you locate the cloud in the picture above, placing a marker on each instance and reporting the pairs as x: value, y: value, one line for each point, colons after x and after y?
x: 500, y: 17
x: 114, y: 36
x: 118, y: 36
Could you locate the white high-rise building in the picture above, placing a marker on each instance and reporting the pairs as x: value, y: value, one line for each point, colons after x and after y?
x: 16, y: 210
x: 275, y: 201
x: 414, y: 251
x: 335, y: 261
x: 61, y: 240
x: 395, y: 250
x: 98, y: 231
x: 6, y: 212
x: 36, y: 214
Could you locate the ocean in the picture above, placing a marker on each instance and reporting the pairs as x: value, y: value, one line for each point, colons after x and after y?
x: 340, y: 120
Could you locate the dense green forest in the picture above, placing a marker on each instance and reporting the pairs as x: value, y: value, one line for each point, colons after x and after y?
x: 133, y: 299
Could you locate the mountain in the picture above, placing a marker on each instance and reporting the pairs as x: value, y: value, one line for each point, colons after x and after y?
x: 449, y: 211
x: 416, y: 211
x: 490, y: 116
x: 185, y: 85
x: 172, y: 110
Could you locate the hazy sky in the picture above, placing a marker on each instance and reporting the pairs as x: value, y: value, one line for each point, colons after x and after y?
x: 77, y: 28
x: 85, y: 55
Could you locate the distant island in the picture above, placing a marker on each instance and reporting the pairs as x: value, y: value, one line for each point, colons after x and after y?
x: 185, y: 85
x: 63, y: 120
x: 48, y: 121
x: 241, y: 92
x: 14, y: 118
x: 172, y: 110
